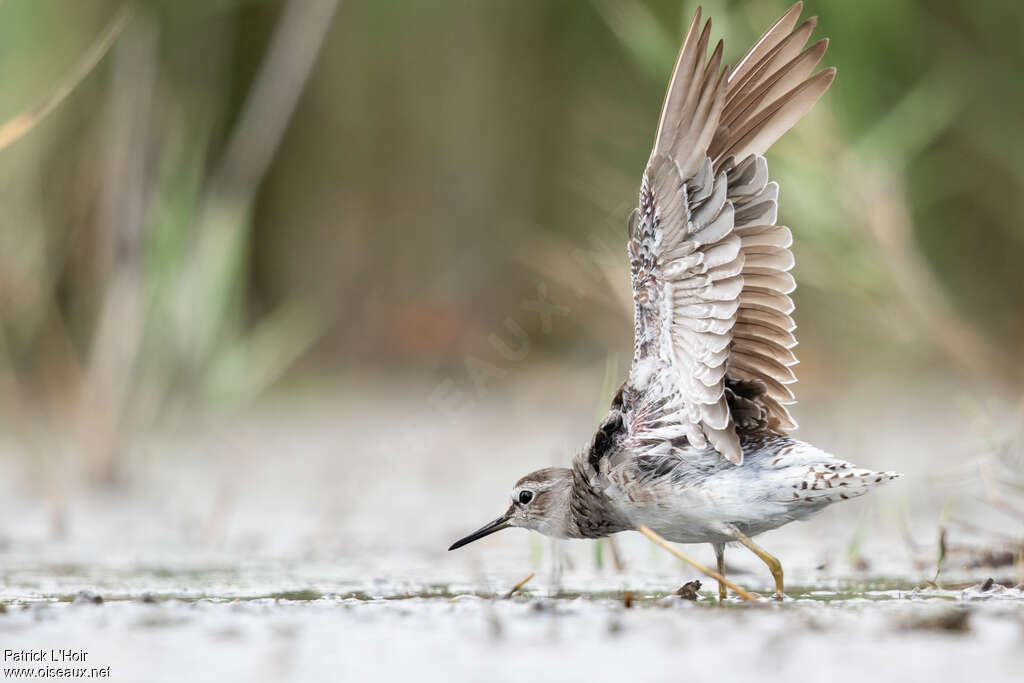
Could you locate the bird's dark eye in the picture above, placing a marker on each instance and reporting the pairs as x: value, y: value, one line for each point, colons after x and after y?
x: 525, y: 497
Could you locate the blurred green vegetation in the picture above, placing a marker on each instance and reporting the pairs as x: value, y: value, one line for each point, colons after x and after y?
x: 159, y: 247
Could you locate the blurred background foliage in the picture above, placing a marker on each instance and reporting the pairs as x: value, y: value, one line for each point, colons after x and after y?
x: 196, y: 224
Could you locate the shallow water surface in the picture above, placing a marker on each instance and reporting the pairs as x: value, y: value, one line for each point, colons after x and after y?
x: 278, y: 621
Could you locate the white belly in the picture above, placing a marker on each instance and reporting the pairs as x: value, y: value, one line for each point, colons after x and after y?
x: 703, y: 524
x: 746, y: 498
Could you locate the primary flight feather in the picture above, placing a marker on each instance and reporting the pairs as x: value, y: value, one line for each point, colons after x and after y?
x: 709, y: 265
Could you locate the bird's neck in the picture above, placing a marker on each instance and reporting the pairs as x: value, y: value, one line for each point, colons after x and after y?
x: 590, y: 513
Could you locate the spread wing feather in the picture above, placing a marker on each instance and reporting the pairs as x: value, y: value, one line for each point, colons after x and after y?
x: 710, y: 269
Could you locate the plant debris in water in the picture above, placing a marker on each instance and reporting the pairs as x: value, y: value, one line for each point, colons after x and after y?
x: 88, y: 598
x: 688, y: 591
x: 515, y: 588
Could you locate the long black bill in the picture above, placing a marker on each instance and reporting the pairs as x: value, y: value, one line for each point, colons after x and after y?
x: 497, y: 525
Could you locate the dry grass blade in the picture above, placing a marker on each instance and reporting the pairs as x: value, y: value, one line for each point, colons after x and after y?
x: 746, y: 595
x: 275, y: 92
x: 223, y: 215
x: 16, y: 127
x: 519, y: 585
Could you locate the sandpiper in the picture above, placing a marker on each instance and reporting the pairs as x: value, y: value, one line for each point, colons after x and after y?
x: 694, y: 449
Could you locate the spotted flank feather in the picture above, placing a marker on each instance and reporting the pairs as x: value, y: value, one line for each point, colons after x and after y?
x: 816, y: 479
x: 709, y: 265
x: 826, y: 485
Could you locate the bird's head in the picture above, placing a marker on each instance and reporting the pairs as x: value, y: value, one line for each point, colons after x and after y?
x: 539, y: 502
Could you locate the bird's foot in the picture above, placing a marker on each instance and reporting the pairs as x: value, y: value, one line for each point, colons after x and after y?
x: 773, y: 563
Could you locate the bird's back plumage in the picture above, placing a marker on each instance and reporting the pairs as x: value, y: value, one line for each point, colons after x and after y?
x: 691, y: 494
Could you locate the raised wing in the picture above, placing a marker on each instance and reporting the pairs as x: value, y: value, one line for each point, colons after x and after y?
x: 709, y: 265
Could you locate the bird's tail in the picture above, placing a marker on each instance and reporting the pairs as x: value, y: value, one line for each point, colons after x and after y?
x: 828, y: 483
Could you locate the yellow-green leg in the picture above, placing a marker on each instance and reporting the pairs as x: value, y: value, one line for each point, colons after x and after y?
x: 773, y: 563
x: 720, y: 556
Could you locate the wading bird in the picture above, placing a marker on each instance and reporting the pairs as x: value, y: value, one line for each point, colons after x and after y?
x: 694, y: 448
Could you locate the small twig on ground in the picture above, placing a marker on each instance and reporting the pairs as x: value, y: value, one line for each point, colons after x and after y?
x: 519, y: 585
x: 746, y: 595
